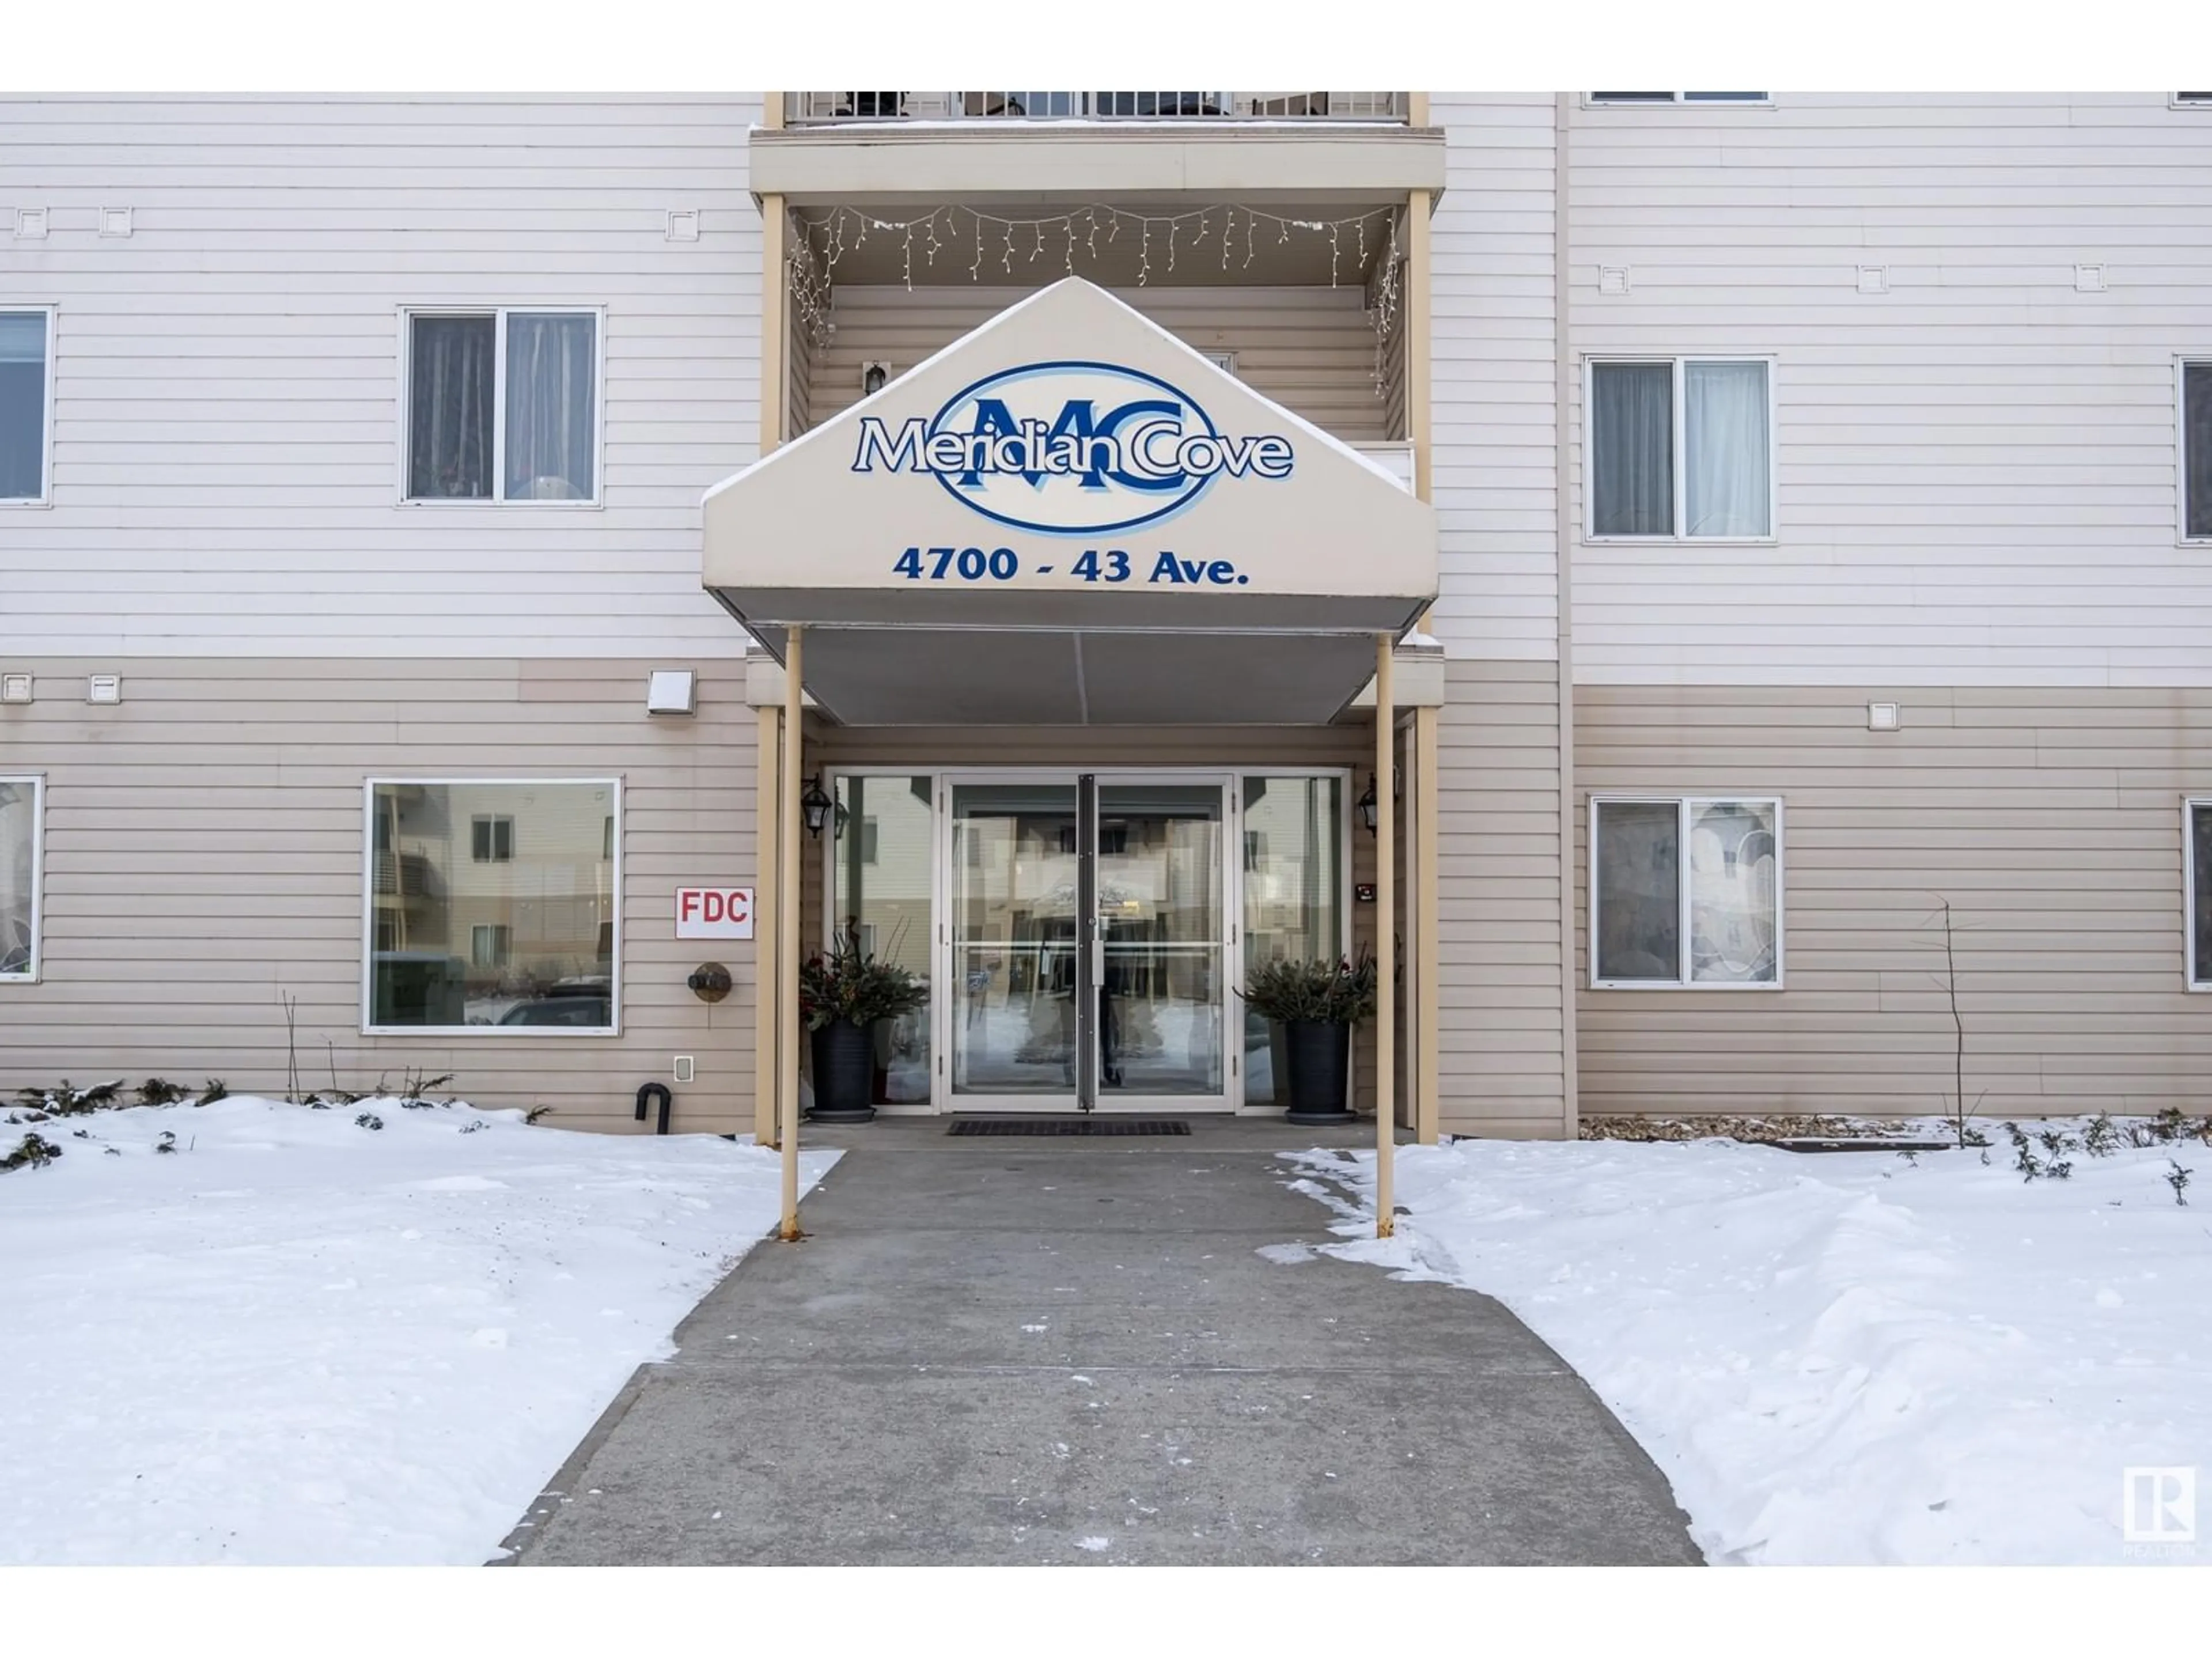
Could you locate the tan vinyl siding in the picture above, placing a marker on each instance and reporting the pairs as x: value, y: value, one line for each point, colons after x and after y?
x: 204, y: 859
x: 2050, y: 818
x: 227, y: 408
x: 1311, y: 350
x: 1498, y: 902
x: 1976, y: 468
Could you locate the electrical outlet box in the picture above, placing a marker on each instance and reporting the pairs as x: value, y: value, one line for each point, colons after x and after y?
x: 684, y: 1068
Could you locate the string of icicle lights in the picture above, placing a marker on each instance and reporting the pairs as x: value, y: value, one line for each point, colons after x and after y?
x: 965, y: 237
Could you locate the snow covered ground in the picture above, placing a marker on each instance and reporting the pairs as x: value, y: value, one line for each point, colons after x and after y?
x: 1850, y: 1357
x: 299, y: 1339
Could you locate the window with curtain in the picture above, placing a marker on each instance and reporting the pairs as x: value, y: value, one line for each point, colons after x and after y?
x: 2197, y: 449
x: 1681, y: 448
x: 503, y: 405
x: 1677, y: 97
x: 552, y: 426
x: 1686, y: 891
x: 1632, y: 449
x: 23, y: 405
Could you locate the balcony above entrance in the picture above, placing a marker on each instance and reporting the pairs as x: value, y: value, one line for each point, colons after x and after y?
x: 1318, y: 146
x: 1068, y: 517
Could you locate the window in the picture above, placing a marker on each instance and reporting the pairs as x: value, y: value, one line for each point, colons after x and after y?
x: 473, y: 926
x: 503, y: 404
x: 2196, y: 881
x: 490, y: 945
x: 2192, y: 97
x: 491, y: 840
x: 1682, y: 449
x: 22, y: 817
x: 2197, y: 450
x: 1712, y: 918
x: 1680, y: 97
x: 26, y: 398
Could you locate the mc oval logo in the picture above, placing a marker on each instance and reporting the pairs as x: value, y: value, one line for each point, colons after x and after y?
x: 1072, y: 448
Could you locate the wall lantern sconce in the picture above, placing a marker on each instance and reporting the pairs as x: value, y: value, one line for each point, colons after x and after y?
x: 1370, y: 808
x: 815, y: 807
x: 874, y: 377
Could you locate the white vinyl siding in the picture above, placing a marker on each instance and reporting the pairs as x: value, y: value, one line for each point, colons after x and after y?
x: 1976, y: 468
x: 1494, y: 466
x: 1686, y: 891
x: 228, y: 416
x: 27, y: 405
x: 22, y: 849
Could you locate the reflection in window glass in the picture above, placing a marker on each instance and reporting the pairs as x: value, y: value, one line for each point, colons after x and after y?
x: 880, y: 881
x: 19, y: 873
x: 492, y: 904
x: 1637, y: 880
x: 1293, y: 897
x: 2200, y: 924
x: 1732, y: 888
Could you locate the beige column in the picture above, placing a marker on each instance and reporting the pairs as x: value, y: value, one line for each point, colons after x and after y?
x: 1423, y: 909
x: 788, y: 929
x: 1386, y: 943
x: 776, y: 321
x: 768, y: 951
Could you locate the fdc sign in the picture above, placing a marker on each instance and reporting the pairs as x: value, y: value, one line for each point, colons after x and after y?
x: 1072, y: 448
x: 713, y: 913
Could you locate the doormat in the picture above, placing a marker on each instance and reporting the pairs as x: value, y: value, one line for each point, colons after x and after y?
x: 1068, y: 1126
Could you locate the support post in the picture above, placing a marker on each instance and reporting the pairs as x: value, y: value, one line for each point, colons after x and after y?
x: 767, y: 943
x: 1423, y: 905
x: 786, y: 966
x: 1386, y: 938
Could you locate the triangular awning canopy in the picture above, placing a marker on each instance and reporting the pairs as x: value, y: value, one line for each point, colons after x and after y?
x: 1069, y: 517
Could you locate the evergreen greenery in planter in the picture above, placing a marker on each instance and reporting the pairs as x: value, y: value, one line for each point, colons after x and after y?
x: 841, y: 997
x: 1316, y: 1004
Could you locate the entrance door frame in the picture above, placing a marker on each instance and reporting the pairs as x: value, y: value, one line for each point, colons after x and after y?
x: 1231, y: 777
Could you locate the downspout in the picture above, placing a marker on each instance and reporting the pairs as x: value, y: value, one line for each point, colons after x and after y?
x: 1562, y: 336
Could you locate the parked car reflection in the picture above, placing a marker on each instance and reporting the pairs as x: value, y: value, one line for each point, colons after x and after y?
x: 588, y: 1003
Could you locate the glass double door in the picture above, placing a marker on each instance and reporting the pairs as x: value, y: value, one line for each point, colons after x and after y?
x: 1090, y: 940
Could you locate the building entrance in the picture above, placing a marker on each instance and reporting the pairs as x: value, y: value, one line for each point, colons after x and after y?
x: 1084, y: 934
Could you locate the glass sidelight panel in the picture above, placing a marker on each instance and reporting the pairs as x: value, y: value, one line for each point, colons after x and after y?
x: 881, y: 875
x: 1161, y: 926
x: 1293, y: 858
x: 1013, y: 913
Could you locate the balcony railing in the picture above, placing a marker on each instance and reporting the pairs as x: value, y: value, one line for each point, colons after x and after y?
x: 825, y: 108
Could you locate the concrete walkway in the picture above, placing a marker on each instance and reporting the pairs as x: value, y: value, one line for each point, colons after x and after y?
x: 1072, y: 1351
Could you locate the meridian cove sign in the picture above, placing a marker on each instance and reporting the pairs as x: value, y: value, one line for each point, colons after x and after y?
x: 1070, y: 449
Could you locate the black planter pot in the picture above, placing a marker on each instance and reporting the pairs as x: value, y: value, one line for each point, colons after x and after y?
x: 844, y: 1067
x: 1320, y: 1054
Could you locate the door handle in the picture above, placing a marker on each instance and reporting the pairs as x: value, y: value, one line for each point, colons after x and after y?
x: 1098, y: 964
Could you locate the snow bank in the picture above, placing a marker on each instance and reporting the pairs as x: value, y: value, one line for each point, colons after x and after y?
x: 297, y: 1338
x: 1851, y: 1358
